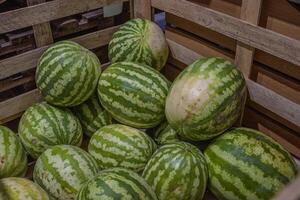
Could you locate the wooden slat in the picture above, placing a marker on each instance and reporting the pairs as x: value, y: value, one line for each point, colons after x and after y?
x: 42, y: 32
x: 259, y: 94
x: 29, y: 59
x: 258, y: 37
x: 142, y: 9
x: 45, y: 12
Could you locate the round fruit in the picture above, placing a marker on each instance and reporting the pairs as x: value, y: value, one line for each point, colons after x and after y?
x: 177, y: 171
x: 140, y: 41
x: 14, y: 188
x: 165, y: 134
x: 246, y: 164
x: 133, y: 94
x: 13, y: 159
x: 67, y: 74
x: 205, y: 99
x: 121, y: 146
x: 115, y: 184
x: 63, y: 169
x: 43, y: 126
x: 91, y: 115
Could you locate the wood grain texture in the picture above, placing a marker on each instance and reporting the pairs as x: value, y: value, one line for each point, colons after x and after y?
x: 142, y: 9
x: 257, y: 37
x: 29, y: 59
x: 42, y: 32
x: 45, y: 12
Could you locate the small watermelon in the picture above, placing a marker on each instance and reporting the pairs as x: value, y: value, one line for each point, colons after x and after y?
x: 44, y: 125
x: 91, y: 115
x: 133, y: 94
x: 121, y: 146
x: 13, y: 159
x: 246, y: 164
x: 116, y: 184
x: 177, y: 171
x: 14, y: 188
x: 140, y: 41
x: 165, y: 134
x: 205, y: 99
x: 67, y: 74
x: 63, y: 169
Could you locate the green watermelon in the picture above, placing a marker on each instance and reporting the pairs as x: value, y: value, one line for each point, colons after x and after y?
x: 67, y: 74
x: 205, y: 99
x: 13, y: 159
x: 14, y: 188
x: 91, y: 115
x: 44, y: 125
x: 165, y: 134
x: 246, y: 164
x: 121, y: 146
x: 63, y: 169
x: 140, y: 41
x: 133, y: 94
x: 177, y: 171
x: 117, y: 184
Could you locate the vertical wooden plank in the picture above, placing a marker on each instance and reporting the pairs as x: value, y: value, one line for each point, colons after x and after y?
x: 142, y: 9
x: 42, y: 32
x: 250, y: 12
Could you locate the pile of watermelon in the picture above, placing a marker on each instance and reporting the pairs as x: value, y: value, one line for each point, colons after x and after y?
x: 145, y: 134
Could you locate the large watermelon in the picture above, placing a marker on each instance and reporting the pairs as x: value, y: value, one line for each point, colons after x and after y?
x: 246, y: 164
x: 67, y: 74
x: 177, y: 171
x: 14, y: 188
x: 121, y: 146
x: 63, y: 169
x: 205, y: 99
x: 44, y: 125
x: 91, y: 115
x: 165, y: 134
x: 140, y: 41
x: 117, y: 184
x: 13, y: 159
x: 133, y: 94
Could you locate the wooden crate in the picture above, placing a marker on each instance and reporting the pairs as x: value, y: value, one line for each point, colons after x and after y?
x: 195, y: 29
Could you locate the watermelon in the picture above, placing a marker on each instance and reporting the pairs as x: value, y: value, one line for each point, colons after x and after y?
x: 133, y: 94
x: 118, y: 145
x: 43, y: 125
x: 63, y: 169
x: 246, y: 164
x: 165, y: 134
x: 116, y: 184
x: 91, y: 115
x: 177, y: 171
x: 15, y: 188
x: 205, y: 99
x: 140, y: 41
x: 13, y: 159
x: 67, y: 74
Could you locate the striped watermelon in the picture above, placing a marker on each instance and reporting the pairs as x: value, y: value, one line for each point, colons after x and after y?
x: 165, y: 134
x: 117, y: 184
x: 133, y: 94
x: 91, y: 115
x: 44, y: 125
x: 13, y: 159
x: 121, y: 146
x: 205, y: 99
x: 177, y: 171
x: 67, y: 74
x: 246, y: 164
x: 140, y: 41
x: 63, y: 169
x: 14, y: 188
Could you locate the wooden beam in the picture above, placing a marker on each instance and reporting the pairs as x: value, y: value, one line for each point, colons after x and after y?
x: 255, y: 36
x: 45, y: 12
x: 28, y: 60
x: 142, y: 9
